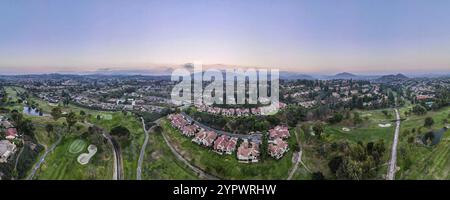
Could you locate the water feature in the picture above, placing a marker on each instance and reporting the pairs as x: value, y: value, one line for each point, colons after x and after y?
x: 33, y: 111
x: 437, y: 136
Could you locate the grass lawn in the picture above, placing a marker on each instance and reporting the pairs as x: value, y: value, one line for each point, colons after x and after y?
x: 419, y: 161
x: 160, y: 164
x: 108, y: 121
x: 130, y: 153
x: 367, y: 131
x: 61, y: 164
x: 227, y: 166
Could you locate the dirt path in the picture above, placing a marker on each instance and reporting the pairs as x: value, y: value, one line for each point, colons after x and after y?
x: 197, y: 170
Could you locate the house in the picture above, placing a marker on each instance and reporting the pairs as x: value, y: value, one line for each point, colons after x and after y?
x: 189, y: 130
x: 231, y: 145
x: 5, y: 124
x: 279, y: 131
x: 177, y: 121
x: 277, y: 148
x: 209, y: 139
x: 199, y: 137
x: 6, y: 150
x: 248, y: 151
x: 220, y: 144
x: 11, y: 133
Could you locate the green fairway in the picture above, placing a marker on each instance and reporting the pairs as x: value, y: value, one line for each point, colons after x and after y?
x: 418, y: 161
x: 62, y: 164
x: 77, y: 146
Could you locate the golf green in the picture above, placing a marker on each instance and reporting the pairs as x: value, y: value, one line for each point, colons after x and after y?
x: 77, y: 146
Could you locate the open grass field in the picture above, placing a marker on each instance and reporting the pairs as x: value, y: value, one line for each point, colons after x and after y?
x: 160, y: 164
x: 227, y: 166
x: 420, y: 161
x: 62, y: 163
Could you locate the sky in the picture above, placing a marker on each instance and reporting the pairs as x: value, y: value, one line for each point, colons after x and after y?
x: 315, y: 36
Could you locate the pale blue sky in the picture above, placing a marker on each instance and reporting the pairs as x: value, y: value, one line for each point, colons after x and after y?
x: 320, y: 36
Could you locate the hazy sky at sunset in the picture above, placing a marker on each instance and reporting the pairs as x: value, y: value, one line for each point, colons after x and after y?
x: 361, y: 36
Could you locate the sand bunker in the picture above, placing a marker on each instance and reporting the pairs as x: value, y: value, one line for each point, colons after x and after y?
x: 384, y: 125
x: 85, y: 157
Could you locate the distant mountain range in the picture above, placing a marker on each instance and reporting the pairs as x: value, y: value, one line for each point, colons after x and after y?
x: 165, y: 73
x: 391, y: 77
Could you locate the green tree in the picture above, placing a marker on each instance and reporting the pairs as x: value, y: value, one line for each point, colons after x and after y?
x: 5, y: 97
x: 49, y: 128
x: 318, y: 129
x: 16, y: 117
x: 317, y: 176
x: 356, y: 118
x: 56, y: 113
x: 428, y: 122
x: 337, y: 117
x: 122, y: 134
x: 26, y: 127
x: 82, y: 115
x: 71, y: 119
x: 419, y: 110
x: 335, y: 163
x: 264, y: 146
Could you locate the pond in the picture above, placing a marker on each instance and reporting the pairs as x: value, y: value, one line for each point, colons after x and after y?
x: 33, y: 111
x: 437, y: 136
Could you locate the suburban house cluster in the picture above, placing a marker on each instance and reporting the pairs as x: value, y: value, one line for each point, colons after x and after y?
x: 248, y: 150
x: 334, y: 91
x: 9, y: 133
x: 277, y: 145
x: 220, y: 143
x: 234, y: 112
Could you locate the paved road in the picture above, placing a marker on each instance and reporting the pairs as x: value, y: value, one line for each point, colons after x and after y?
x: 197, y: 170
x: 393, y: 162
x: 118, y: 167
x: 141, y: 155
x: 47, y: 151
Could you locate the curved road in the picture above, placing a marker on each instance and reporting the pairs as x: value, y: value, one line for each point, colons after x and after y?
x: 118, y: 175
x: 118, y: 167
x: 393, y: 162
